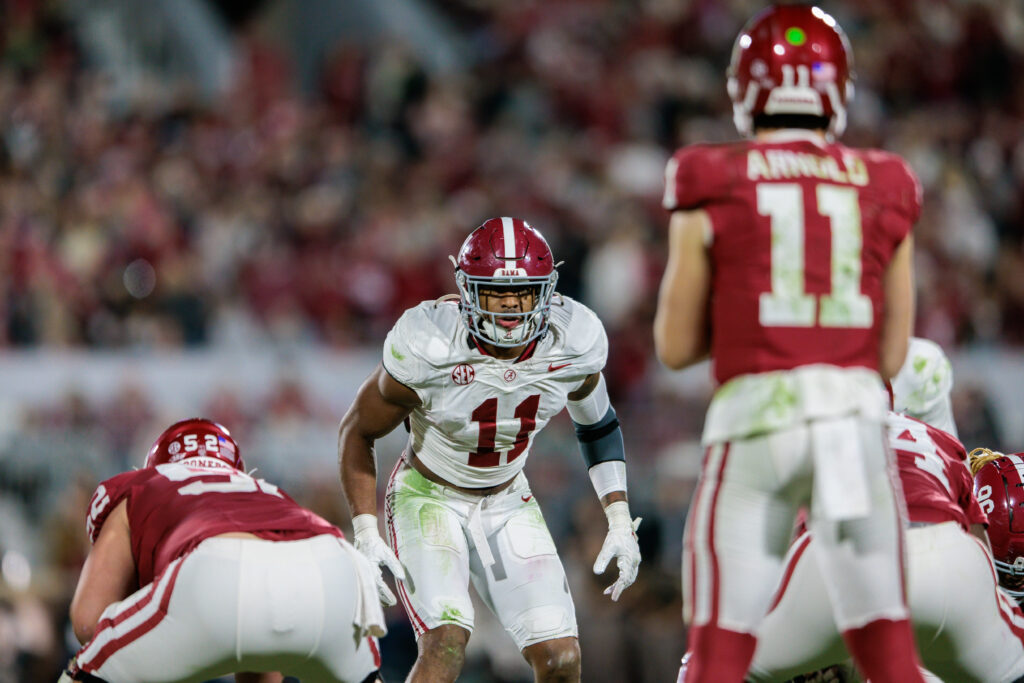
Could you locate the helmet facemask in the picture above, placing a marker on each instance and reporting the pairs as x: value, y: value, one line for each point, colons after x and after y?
x: 1011, y: 578
x: 506, y: 329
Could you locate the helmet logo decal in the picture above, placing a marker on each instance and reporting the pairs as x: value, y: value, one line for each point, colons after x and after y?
x: 174, y: 448
x: 823, y: 71
x: 510, y: 375
x: 510, y: 272
x: 463, y: 374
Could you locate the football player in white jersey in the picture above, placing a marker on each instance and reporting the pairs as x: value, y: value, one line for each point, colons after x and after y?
x: 477, y: 376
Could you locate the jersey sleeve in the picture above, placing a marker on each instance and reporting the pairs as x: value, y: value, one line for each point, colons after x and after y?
x: 402, y: 358
x: 588, y: 341
x: 902, y: 196
x: 968, y: 501
x: 924, y: 381
x: 693, y: 176
x: 105, y: 498
x: 959, y: 475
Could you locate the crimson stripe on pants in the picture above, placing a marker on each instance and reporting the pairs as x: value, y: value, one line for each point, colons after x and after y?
x: 694, y: 506
x: 93, y: 663
x: 704, y: 564
x: 794, y: 558
x: 716, y: 579
x: 417, y: 622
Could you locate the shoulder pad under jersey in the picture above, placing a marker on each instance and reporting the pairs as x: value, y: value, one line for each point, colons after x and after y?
x: 424, y: 338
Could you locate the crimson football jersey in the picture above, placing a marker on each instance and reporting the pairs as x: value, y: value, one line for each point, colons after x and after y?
x: 801, y: 234
x: 172, y: 507
x: 937, y: 485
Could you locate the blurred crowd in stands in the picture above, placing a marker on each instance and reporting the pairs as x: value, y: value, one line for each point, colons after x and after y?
x: 273, y: 218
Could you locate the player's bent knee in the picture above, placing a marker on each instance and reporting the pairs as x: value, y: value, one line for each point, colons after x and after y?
x: 555, y: 660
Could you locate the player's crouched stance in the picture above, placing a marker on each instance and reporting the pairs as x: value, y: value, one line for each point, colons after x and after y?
x: 477, y: 378
x: 234, y: 575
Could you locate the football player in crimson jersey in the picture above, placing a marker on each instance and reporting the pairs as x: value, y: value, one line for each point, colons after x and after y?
x: 477, y: 376
x: 790, y: 266
x: 199, y: 570
x: 966, y: 628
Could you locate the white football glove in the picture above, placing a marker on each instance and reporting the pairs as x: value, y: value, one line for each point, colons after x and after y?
x: 368, y: 542
x: 621, y: 544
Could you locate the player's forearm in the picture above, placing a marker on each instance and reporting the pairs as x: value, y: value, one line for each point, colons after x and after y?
x: 358, y: 467
x: 614, y: 497
x: 681, y: 335
x: 898, y: 320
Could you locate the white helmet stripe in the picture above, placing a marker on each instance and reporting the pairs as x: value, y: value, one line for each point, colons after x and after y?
x: 510, y: 241
x: 1019, y: 464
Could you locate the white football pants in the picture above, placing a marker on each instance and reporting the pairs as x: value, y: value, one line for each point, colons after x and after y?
x: 741, y: 520
x: 446, y: 538
x: 966, y: 629
x: 241, y: 604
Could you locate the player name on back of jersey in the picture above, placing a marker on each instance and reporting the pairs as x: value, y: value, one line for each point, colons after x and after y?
x: 783, y: 164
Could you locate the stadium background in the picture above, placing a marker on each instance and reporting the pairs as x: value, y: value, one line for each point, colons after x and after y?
x: 220, y: 208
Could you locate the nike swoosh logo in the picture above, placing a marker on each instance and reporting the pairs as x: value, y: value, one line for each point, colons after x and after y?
x: 552, y: 367
x: 526, y: 499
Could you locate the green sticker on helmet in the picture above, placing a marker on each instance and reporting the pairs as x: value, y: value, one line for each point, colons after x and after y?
x: 795, y: 36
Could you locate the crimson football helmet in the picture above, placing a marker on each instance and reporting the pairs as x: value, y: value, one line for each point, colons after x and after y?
x: 193, y: 438
x: 999, y: 488
x: 791, y: 59
x: 505, y: 254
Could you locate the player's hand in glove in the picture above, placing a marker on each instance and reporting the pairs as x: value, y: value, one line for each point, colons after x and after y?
x: 368, y: 541
x: 621, y: 544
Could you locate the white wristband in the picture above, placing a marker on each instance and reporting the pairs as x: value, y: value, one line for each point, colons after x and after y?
x: 363, y: 523
x: 608, y: 476
x: 618, y: 515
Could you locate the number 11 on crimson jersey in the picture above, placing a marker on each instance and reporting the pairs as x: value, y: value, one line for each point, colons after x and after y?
x: 788, y: 304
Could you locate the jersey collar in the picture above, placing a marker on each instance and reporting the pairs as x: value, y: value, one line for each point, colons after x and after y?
x: 793, y: 135
x: 527, y: 353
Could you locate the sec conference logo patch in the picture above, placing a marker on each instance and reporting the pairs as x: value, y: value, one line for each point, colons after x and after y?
x: 463, y: 373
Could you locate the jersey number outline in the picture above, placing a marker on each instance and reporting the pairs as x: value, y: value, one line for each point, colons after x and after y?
x: 487, y: 415
x: 231, y: 481
x: 984, y: 496
x: 915, y: 439
x: 787, y: 304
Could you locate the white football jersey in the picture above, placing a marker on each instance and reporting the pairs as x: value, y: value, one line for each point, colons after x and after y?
x: 479, y: 414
